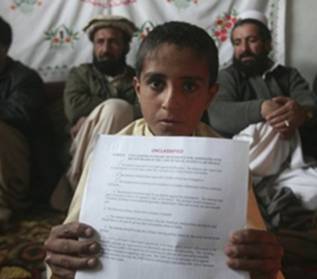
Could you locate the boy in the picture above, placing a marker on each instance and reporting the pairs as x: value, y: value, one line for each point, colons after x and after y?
x: 177, y: 67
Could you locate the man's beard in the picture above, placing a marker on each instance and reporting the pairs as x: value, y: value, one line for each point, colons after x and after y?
x: 253, y: 67
x: 109, y: 66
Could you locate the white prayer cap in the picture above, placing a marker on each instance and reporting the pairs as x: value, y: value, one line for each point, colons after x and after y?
x: 253, y: 14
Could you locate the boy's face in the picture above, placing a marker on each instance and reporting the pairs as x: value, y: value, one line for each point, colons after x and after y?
x: 173, y: 90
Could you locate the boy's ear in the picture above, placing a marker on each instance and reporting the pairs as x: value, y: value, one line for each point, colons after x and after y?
x: 136, y: 85
x: 212, y: 92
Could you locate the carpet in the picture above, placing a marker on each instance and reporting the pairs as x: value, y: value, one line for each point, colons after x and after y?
x: 21, y: 247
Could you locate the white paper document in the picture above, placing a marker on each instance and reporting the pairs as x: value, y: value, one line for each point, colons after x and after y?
x: 165, y: 206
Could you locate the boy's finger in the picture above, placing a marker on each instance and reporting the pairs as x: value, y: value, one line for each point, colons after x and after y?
x: 58, y: 273
x: 253, y: 236
x: 69, y: 262
x: 74, y: 247
x: 254, y: 251
x: 71, y: 230
x: 263, y: 266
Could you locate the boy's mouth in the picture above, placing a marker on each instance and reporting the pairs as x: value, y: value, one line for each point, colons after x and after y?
x: 170, y: 124
x: 170, y: 121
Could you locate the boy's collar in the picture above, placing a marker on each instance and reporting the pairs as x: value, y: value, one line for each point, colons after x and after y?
x: 147, y: 132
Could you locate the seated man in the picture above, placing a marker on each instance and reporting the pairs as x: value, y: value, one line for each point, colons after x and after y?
x: 255, y: 89
x: 99, y: 96
x: 177, y: 67
x: 271, y: 105
x: 23, y: 132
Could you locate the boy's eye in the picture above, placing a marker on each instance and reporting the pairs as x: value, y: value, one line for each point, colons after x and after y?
x: 156, y: 84
x: 189, y: 86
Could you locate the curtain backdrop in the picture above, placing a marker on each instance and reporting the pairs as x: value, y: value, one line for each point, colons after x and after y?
x: 48, y: 34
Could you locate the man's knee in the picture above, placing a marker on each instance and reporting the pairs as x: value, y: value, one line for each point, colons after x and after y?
x: 12, y: 140
x: 113, y: 110
x: 14, y: 170
x: 118, y: 108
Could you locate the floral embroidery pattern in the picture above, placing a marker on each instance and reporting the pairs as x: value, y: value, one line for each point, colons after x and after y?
x: 26, y: 6
x: 53, y: 71
x: 110, y: 3
x: 221, y: 28
x: 144, y: 30
x: 182, y: 4
x: 61, y: 36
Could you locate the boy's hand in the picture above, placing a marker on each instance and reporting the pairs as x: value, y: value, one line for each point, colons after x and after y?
x: 255, y: 251
x: 65, y: 254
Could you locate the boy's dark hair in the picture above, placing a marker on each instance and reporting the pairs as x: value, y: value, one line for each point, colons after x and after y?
x: 183, y: 35
x: 264, y: 32
x: 5, y: 34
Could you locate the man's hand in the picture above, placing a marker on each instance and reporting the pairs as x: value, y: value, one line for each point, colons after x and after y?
x: 65, y: 254
x: 255, y: 251
x: 268, y: 107
x: 75, y: 128
x: 288, y: 117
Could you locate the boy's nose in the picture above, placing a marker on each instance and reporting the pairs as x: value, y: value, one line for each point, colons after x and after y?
x: 171, y: 99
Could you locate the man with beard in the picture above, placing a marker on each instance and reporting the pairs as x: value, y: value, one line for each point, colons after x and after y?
x: 271, y: 106
x: 255, y: 89
x: 99, y: 96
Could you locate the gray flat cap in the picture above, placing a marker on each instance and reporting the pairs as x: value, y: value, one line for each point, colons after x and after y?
x: 115, y: 21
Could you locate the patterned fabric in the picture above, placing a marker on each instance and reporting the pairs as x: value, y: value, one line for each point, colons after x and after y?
x: 58, y: 43
x: 21, y: 247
